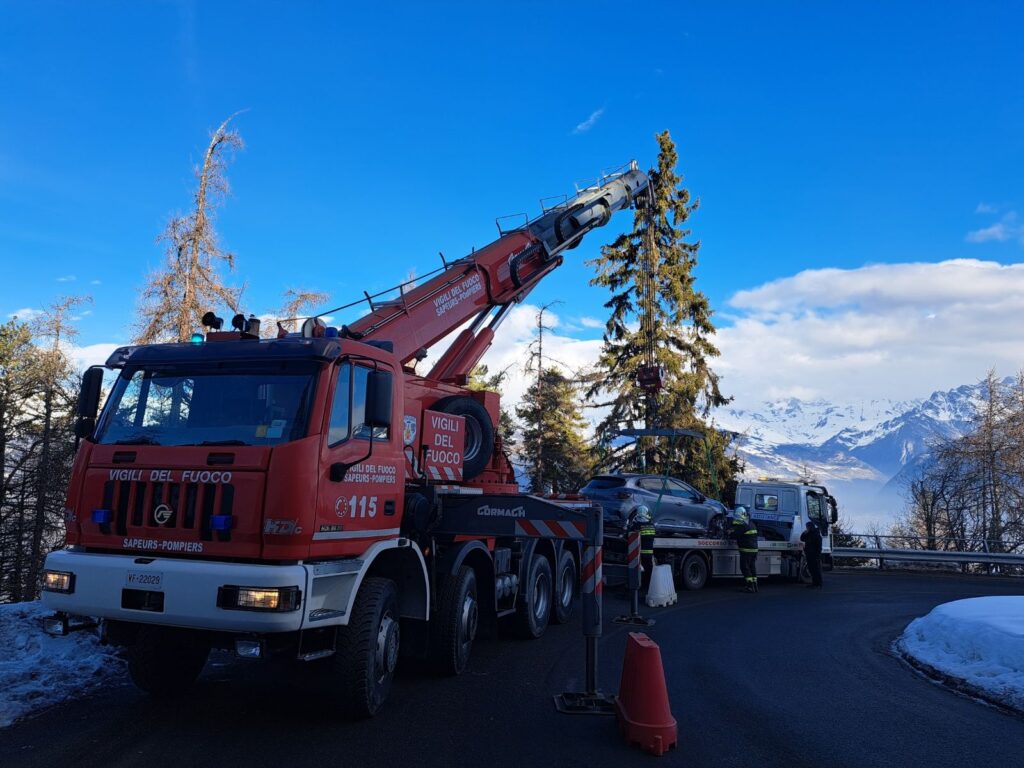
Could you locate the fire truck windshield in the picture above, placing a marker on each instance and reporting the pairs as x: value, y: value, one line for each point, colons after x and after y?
x: 208, y: 405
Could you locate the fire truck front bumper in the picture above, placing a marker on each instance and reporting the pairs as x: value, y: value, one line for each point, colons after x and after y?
x: 231, y: 597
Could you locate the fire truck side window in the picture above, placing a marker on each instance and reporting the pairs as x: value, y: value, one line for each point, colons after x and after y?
x: 348, y: 411
x: 359, y: 428
x: 338, y: 430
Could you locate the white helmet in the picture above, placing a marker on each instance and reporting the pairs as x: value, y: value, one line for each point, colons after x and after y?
x: 740, y: 513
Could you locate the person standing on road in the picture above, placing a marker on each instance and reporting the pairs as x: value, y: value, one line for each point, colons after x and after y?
x: 812, y: 553
x: 745, y: 534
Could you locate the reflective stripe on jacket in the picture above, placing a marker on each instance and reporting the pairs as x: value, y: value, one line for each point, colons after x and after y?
x: 647, y: 533
x: 745, y: 534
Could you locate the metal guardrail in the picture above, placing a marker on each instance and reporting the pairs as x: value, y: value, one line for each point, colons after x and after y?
x: 954, y: 550
x: 928, y: 555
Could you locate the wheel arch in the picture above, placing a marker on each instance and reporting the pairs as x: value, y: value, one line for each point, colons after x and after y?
x: 405, y: 566
x: 476, y: 555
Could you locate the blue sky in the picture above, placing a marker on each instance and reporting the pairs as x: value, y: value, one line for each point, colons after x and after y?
x: 817, y: 136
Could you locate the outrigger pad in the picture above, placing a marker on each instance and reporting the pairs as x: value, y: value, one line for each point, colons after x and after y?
x: 595, y: 703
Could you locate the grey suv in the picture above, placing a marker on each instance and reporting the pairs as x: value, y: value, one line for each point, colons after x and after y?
x: 682, y: 508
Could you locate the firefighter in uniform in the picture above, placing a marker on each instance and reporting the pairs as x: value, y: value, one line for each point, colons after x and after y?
x: 641, y: 521
x: 745, y: 534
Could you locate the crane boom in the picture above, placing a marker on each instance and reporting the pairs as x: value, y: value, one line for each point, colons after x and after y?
x: 486, y: 284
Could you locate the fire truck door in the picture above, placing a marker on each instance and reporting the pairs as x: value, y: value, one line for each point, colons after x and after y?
x: 361, y: 479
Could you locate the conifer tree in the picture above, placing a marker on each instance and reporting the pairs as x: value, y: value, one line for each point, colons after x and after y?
x: 657, y: 313
x: 296, y: 302
x: 176, y: 297
x: 480, y: 378
x: 553, y: 447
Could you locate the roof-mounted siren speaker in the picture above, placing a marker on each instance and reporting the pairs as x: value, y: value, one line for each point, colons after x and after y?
x: 313, y: 328
x: 212, y: 322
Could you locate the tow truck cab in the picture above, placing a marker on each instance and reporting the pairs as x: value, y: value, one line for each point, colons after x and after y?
x: 781, y: 509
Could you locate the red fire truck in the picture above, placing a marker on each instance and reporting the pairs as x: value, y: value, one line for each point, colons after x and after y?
x: 315, y: 496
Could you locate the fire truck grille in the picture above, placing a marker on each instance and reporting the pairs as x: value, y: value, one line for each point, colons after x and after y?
x: 151, y: 506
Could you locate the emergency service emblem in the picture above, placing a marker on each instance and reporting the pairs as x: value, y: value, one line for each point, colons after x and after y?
x: 162, y: 514
x: 409, y: 430
x: 341, y: 507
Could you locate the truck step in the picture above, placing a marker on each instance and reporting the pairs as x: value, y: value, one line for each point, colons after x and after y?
x: 314, y: 655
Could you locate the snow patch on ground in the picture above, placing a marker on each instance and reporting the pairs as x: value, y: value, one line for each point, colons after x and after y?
x: 978, y: 642
x: 38, y: 671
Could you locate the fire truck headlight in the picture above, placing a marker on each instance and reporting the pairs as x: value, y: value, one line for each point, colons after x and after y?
x: 259, y: 598
x: 59, y: 581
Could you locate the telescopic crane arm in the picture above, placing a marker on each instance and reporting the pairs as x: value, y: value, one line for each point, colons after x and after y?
x: 483, y: 286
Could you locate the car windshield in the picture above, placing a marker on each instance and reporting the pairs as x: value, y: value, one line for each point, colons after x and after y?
x: 209, y: 405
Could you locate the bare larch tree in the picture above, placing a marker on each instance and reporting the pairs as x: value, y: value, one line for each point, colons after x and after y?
x: 175, y: 298
x: 297, y: 301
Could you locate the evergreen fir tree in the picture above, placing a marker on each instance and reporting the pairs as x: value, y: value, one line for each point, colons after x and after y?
x: 480, y: 378
x: 674, y: 323
x: 553, y: 447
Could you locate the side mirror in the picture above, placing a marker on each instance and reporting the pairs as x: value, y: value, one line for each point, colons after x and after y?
x: 835, y: 509
x: 88, y: 401
x: 378, y: 399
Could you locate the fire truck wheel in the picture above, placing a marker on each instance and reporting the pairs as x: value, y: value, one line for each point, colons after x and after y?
x: 566, y: 589
x: 454, y: 624
x: 165, y: 661
x: 367, y: 649
x: 535, y: 599
x: 479, y: 432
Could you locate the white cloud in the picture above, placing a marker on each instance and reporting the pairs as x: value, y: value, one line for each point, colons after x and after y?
x: 92, y: 354
x: 890, y: 330
x: 895, y: 331
x: 591, y: 322
x: 587, y: 124
x: 1007, y: 228
x: 986, y: 208
x: 95, y: 282
x: 25, y: 314
x: 66, y: 279
x: 511, y: 349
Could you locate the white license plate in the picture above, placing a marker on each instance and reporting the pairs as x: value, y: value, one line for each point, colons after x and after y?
x: 144, y: 580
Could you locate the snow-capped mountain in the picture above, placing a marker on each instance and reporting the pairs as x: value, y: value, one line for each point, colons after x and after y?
x: 862, y: 451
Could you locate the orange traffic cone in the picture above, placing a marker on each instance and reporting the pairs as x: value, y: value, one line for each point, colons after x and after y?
x: 641, y: 707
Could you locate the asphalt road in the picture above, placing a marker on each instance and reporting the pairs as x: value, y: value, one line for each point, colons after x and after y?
x: 787, y: 677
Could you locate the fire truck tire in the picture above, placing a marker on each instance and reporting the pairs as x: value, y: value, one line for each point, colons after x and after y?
x: 479, y: 432
x: 693, y: 573
x: 566, y: 589
x: 454, y: 624
x: 367, y: 649
x: 164, y: 661
x: 535, y: 599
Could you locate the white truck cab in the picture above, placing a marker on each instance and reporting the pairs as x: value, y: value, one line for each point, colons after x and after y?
x: 780, y: 509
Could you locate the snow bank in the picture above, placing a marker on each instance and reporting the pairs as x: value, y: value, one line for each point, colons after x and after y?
x: 38, y: 671
x: 978, y: 642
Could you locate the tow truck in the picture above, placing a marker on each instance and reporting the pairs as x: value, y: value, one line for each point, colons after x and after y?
x: 313, y: 495
x: 779, y: 510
